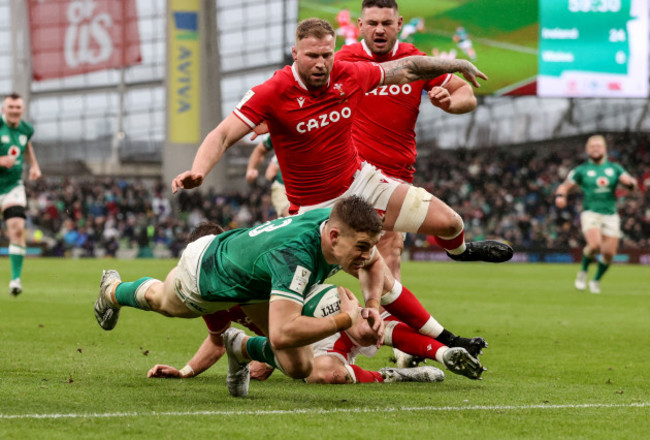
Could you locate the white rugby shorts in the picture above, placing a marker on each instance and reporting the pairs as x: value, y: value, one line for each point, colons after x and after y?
x: 609, y: 224
x: 369, y: 183
x: 15, y: 197
x: 279, y: 198
x: 186, y: 279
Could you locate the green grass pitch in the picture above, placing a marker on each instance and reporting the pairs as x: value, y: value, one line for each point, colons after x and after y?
x: 561, y: 363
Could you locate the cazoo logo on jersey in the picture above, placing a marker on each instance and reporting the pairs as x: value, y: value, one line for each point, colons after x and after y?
x: 391, y: 90
x: 87, y: 35
x: 323, y: 120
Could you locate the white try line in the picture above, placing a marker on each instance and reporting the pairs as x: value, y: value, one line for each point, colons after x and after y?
x: 323, y: 411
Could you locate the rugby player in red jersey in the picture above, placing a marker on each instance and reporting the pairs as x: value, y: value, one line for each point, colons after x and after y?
x: 383, y: 129
x: 309, y: 108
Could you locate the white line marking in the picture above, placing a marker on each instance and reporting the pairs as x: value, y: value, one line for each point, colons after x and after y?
x: 322, y: 411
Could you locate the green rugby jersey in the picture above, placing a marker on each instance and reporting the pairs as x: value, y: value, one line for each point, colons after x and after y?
x: 598, y: 183
x: 281, y: 257
x: 13, y: 142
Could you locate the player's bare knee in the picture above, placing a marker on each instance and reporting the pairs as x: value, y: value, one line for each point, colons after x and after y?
x: 592, y: 250
x: 608, y: 256
x: 298, y: 368
x: 452, y: 225
x: 16, y: 235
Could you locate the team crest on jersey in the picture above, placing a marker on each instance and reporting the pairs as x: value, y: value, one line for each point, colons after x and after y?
x: 301, y: 101
x: 5, y: 139
x: 246, y: 97
x: 300, y: 279
x: 602, y: 181
x: 22, y: 139
x: 609, y: 172
x: 333, y: 271
x: 13, y: 151
x: 339, y: 88
x: 591, y: 173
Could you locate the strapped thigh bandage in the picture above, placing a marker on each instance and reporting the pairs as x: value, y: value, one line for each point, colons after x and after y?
x: 413, y: 211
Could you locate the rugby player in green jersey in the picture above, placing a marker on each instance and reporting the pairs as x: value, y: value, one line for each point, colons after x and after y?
x: 15, y: 149
x: 267, y: 270
x: 601, y: 224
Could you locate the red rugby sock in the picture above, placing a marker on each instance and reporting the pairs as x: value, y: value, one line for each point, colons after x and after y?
x: 365, y: 376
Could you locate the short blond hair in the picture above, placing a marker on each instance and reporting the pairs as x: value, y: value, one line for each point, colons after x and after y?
x: 597, y: 137
x: 314, y: 27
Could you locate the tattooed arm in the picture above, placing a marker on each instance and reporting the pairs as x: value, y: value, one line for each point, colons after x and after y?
x: 414, y: 68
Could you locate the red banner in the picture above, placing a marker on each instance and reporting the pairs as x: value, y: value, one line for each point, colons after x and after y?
x: 69, y: 37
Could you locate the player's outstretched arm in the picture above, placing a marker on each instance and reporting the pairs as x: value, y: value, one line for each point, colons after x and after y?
x: 210, y: 152
x: 206, y: 356
x: 414, y: 68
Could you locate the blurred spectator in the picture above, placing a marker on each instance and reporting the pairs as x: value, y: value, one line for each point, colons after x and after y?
x: 500, y: 193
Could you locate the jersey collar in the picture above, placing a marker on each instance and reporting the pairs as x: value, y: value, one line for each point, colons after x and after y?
x: 369, y: 52
x: 296, y: 76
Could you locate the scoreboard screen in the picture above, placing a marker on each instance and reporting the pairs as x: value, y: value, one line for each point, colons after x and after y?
x: 593, y: 48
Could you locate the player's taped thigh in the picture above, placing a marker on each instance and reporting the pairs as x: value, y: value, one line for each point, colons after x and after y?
x: 413, y: 211
x: 14, y: 212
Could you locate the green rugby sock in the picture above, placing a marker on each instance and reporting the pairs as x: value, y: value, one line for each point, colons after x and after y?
x: 16, y: 265
x: 586, y: 261
x: 16, y: 257
x: 259, y: 349
x: 602, y: 268
x: 125, y: 293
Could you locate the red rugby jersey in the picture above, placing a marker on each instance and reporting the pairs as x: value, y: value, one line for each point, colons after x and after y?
x: 384, y: 126
x: 311, y: 130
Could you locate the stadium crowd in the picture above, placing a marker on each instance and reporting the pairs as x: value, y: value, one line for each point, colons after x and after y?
x: 508, y: 192
x: 87, y: 217
x: 500, y: 193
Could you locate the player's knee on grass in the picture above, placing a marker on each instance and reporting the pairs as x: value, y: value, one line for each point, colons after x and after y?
x: 296, y: 367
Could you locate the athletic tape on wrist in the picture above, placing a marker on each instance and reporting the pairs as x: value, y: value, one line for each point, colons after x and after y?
x: 187, y: 371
